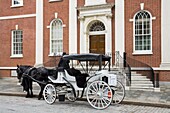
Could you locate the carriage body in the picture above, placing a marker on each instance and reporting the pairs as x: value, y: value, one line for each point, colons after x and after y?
x: 94, y: 86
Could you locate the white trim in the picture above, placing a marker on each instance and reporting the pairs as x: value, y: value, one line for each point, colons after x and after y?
x: 72, y: 26
x: 165, y: 34
x: 55, y: 0
x: 56, y: 15
x: 17, y: 16
x: 141, y: 6
x: 94, y: 2
x: 56, y: 54
x: 10, y: 68
x: 12, y: 47
x: 17, y: 5
x: 119, y: 26
x: 56, y: 19
x: 131, y: 20
x: 153, y: 18
x: 39, y: 32
x: 16, y: 56
x: 103, y: 15
x: 16, y: 27
x: 140, y: 52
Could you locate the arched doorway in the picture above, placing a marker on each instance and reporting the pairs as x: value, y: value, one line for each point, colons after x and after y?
x: 97, y: 37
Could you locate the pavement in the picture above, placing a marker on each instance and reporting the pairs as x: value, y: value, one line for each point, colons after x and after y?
x: 9, y: 86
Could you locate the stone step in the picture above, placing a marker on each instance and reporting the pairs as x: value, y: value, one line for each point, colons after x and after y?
x: 142, y: 85
x: 139, y: 78
x: 143, y: 89
x: 141, y: 82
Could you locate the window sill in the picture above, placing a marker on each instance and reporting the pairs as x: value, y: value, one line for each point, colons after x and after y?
x: 16, y: 56
x: 15, y: 6
x: 54, y: 0
x: 142, y: 53
x: 55, y: 54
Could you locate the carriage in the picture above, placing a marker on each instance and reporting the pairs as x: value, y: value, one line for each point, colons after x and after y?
x: 93, y: 81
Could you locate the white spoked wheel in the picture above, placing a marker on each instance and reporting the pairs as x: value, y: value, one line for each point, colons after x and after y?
x: 99, y: 94
x: 70, y: 95
x: 118, y: 92
x: 50, y: 93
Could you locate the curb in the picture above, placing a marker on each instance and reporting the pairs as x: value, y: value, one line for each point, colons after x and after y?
x: 162, y: 105
x: 84, y: 99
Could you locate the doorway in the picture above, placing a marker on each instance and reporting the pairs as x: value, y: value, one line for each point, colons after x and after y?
x: 97, y: 44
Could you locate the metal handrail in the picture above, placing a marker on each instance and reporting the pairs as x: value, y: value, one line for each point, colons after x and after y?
x: 141, y: 68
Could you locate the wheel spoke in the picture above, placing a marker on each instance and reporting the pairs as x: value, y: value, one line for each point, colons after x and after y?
x: 98, y: 96
x: 49, y: 93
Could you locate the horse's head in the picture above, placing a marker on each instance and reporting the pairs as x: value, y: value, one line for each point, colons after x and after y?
x: 21, y: 69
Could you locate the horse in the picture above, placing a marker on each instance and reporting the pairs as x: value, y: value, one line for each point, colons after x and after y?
x: 30, y: 74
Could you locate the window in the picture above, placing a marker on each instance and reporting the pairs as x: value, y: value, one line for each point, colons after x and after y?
x: 17, y: 43
x: 56, y: 37
x: 16, y: 3
x: 97, y: 26
x: 142, y: 32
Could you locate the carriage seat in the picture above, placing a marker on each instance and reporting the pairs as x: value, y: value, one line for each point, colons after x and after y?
x: 73, y: 72
x: 80, y: 77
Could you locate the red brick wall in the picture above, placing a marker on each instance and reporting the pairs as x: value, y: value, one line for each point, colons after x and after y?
x: 164, y: 75
x: 27, y: 8
x: 154, y: 7
x: 5, y: 73
x: 50, y: 8
x: 28, y: 27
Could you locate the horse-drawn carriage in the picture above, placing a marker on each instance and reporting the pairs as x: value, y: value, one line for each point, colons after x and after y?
x: 100, y: 87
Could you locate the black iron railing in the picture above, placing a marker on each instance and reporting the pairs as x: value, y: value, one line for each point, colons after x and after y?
x: 140, y: 67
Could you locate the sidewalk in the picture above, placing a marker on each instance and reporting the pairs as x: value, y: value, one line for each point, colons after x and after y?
x: 9, y: 86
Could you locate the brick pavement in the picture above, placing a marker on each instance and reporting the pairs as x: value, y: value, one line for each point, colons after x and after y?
x: 10, y: 86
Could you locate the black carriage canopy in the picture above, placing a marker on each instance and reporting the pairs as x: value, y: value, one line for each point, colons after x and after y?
x: 89, y: 57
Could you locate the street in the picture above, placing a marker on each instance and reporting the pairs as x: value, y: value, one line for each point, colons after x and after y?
x: 12, y: 104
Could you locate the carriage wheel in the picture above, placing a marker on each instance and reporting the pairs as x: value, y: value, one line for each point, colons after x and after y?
x: 118, y: 92
x: 99, y: 94
x: 49, y: 93
x: 70, y: 95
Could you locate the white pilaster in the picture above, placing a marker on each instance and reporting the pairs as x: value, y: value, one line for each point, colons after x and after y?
x: 72, y: 26
x: 39, y: 32
x: 82, y: 36
x: 119, y: 27
x: 165, y: 37
x: 108, y: 47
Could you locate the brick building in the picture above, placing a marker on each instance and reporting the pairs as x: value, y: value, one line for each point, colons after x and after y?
x: 33, y: 31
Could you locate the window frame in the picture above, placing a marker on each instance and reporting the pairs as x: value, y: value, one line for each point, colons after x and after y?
x: 13, y: 55
x: 17, y: 5
x: 58, y: 53
x: 136, y: 52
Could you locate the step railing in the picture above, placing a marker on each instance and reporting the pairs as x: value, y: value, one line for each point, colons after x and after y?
x: 140, y: 67
x: 123, y: 66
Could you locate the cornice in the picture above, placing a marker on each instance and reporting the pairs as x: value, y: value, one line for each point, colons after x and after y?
x: 94, y: 7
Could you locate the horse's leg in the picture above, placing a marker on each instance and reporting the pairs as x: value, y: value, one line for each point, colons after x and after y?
x: 26, y: 87
x: 41, y: 92
x: 28, y: 94
x: 30, y: 86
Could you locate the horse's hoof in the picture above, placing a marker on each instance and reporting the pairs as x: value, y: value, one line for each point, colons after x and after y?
x: 27, y: 96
